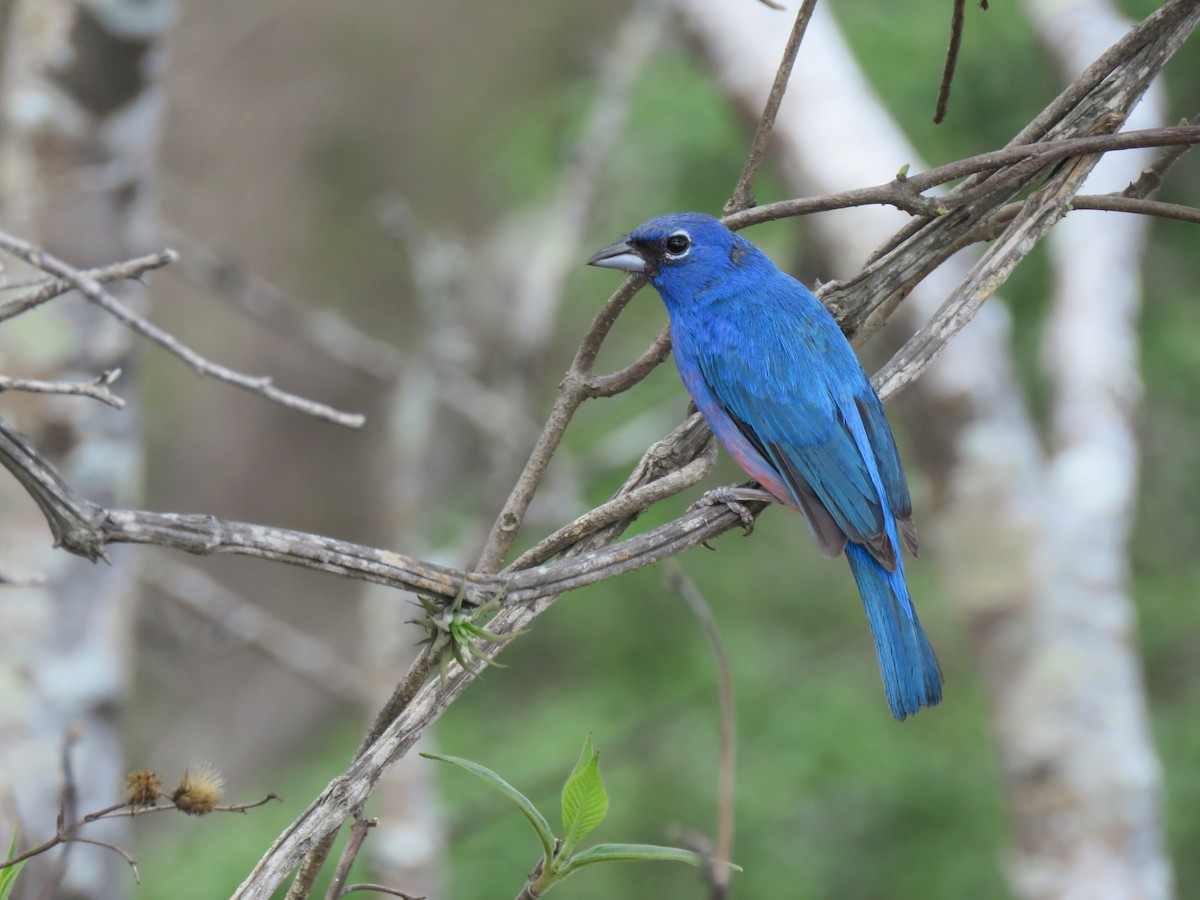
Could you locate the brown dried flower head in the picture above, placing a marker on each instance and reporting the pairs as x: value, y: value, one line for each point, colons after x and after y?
x: 199, y: 790
x: 142, y: 788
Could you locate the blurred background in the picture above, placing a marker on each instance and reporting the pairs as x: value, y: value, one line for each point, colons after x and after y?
x: 433, y: 175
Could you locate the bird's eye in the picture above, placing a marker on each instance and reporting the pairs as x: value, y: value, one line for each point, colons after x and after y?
x: 678, y: 244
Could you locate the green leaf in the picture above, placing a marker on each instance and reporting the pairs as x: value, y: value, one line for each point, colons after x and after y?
x: 631, y: 852
x: 584, y: 759
x: 584, y: 800
x: 8, y: 877
x: 536, y: 819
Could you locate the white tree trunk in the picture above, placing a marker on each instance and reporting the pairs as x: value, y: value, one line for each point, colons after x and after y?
x: 81, y: 109
x: 1105, y: 841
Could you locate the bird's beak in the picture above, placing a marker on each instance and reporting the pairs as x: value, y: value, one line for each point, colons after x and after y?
x: 621, y: 255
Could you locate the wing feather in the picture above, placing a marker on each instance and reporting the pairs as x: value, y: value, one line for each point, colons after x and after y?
x: 799, y: 398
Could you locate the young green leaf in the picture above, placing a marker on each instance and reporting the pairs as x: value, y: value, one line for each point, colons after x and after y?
x: 536, y: 819
x: 584, y: 800
x: 8, y: 877
x: 630, y: 852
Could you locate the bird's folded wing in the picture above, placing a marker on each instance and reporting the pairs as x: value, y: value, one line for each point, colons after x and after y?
x: 887, y: 459
x: 801, y: 430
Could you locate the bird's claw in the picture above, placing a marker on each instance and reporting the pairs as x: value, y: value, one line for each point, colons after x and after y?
x: 731, y: 500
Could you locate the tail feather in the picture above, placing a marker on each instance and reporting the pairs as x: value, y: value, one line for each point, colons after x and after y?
x: 911, y: 675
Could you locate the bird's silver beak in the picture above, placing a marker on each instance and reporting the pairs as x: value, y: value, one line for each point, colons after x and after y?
x: 620, y: 255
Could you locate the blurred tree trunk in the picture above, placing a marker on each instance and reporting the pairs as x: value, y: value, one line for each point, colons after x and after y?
x: 81, y: 112
x: 1032, y: 542
x: 1088, y: 829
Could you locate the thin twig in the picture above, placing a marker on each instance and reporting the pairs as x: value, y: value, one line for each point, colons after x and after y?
x: 96, y: 389
x: 664, y: 480
x: 300, y: 652
x: 1151, y: 180
x: 43, y: 289
x: 33, y: 851
x: 7, y: 579
x: 68, y: 805
x: 95, y: 292
x: 324, y: 330
x: 908, y: 193
x: 380, y: 889
x: 743, y: 193
x: 719, y: 870
x: 358, y: 834
x: 956, y: 33
x: 994, y: 226
x: 571, y: 393
x: 622, y: 380
x: 1118, y: 203
x: 124, y: 811
x: 77, y: 839
x: 66, y: 833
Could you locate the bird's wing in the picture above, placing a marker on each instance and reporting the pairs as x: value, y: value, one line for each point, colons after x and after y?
x: 798, y: 395
x: 887, y: 459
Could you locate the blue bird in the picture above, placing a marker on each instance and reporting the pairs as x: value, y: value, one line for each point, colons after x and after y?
x: 780, y: 386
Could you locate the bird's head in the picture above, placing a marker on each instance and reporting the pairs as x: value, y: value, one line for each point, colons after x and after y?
x: 681, y: 254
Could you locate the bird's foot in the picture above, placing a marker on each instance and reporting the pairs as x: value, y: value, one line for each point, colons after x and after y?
x: 734, y: 498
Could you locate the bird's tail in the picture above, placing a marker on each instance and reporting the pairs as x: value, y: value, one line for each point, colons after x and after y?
x: 911, y: 675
